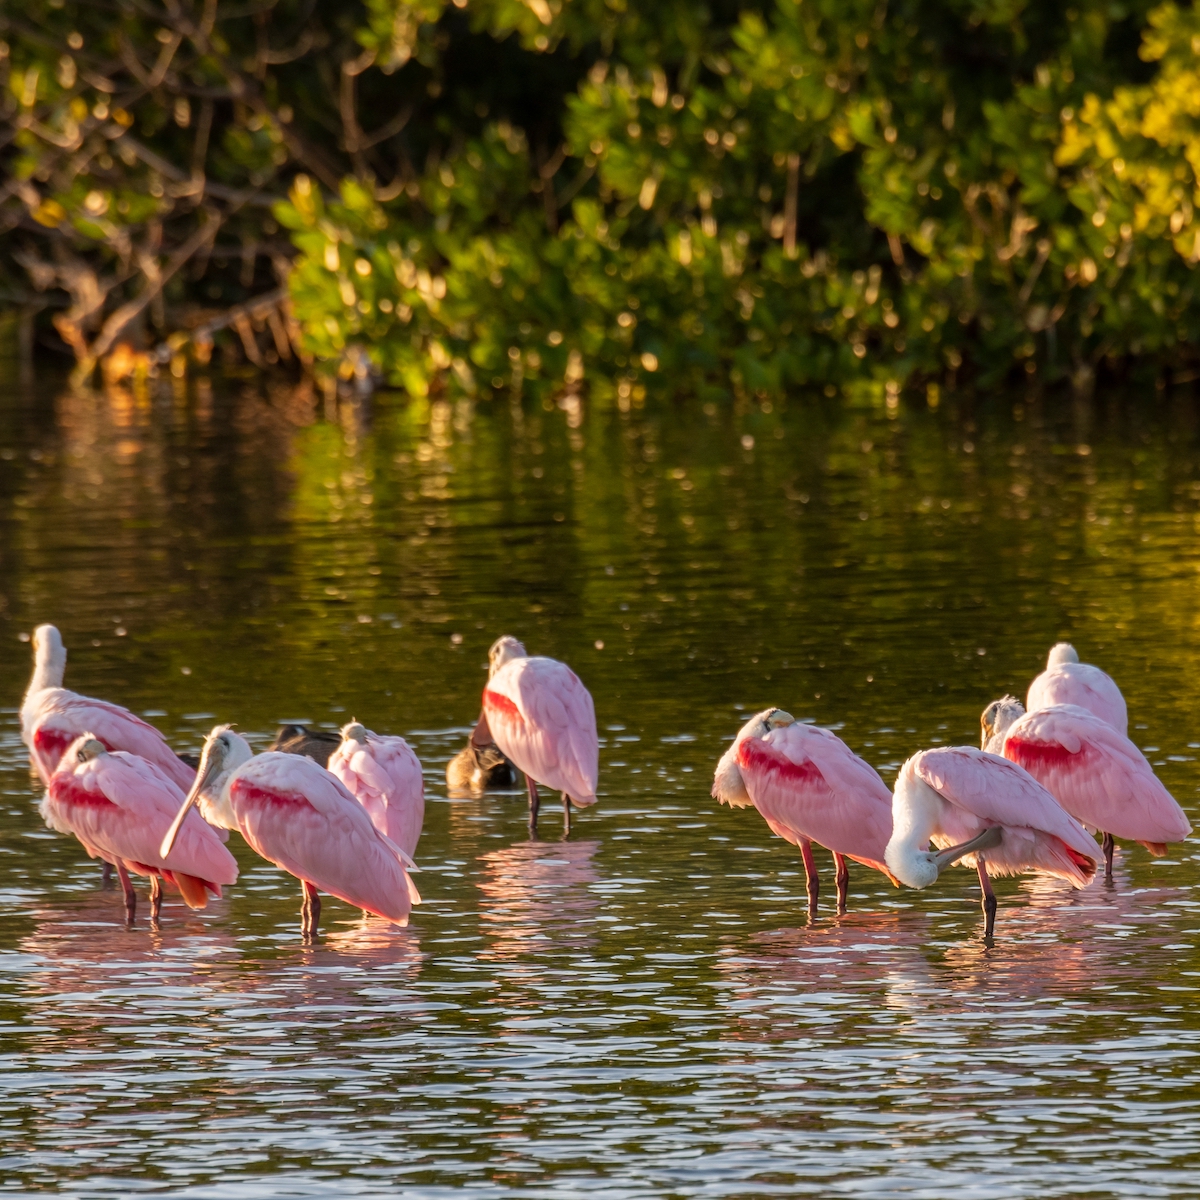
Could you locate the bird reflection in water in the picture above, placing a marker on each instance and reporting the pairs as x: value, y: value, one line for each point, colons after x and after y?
x: 537, y: 895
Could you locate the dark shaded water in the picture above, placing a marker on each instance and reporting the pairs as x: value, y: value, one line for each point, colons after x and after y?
x: 642, y: 1010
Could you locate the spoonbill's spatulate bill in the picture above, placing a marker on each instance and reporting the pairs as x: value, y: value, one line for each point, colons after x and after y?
x: 384, y: 775
x: 1095, y: 772
x: 294, y: 813
x: 987, y: 812
x: 810, y: 787
x: 1068, y: 681
x: 120, y: 807
x: 543, y: 720
x: 53, y: 717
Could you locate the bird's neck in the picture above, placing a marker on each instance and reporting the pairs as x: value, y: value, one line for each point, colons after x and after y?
x: 914, y: 819
x: 48, y: 670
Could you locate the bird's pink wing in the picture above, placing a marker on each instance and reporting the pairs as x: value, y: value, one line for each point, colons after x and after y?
x: 295, y: 814
x: 62, y: 716
x: 1097, y: 775
x: 122, y: 806
x: 384, y: 776
x: 1083, y: 685
x: 542, y: 717
x: 999, y: 792
x: 807, y: 782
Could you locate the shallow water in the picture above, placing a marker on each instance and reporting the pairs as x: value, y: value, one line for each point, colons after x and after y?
x: 642, y: 1010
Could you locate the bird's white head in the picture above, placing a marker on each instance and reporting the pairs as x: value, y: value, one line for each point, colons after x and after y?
x: 728, y: 785
x: 49, y: 658
x: 87, y: 748
x: 503, y: 651
x: 1061, y: 652
x: 224, y: 751
x: 997, y: 719
x: 915, y: 808
x: 355, y: 732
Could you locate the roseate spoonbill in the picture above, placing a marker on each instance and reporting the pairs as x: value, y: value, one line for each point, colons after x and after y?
x: 295, y: 814
x: 542, y: 719
x: 1068, y: 681
x: 316, y: 744
x: 480, y: 764
x: 1096, y: 773
x: 52, y: 718
x: 119, y: 806
x: 987, y: 812
x: 810, y: 787
x: 384, y: 775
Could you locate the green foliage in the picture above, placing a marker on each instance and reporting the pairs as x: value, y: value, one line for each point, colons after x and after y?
x: 560, y: 193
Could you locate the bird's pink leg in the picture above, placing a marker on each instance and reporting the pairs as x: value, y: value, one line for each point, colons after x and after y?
x: 811, y: 882
x: 156, y: 893
x: 566, y: 814
x: 989, y: 899
x: 310, y: 909
x: 534, y: 804
x: 127, y: 888
x: 106, y: 875
x: 1107, y: 846
x: 843, y: 881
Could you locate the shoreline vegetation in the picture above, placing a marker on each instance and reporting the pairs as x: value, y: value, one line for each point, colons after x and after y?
x: 553, y: 196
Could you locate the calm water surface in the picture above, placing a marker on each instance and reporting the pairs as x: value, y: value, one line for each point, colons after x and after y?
x: 642, y: 1010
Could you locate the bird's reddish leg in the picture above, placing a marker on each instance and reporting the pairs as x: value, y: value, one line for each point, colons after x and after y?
x: 843, y: 881
x: 989, y: 899
x: 310, y: 909
x: 106, y: 875
x: 811, y: 882
x: 534, y: 804
x: 156, y: 893
x: 1107, y: 846
x: 566, y: 814
x: 127, y: 888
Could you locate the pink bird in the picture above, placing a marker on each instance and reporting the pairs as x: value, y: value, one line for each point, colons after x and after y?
x: 542, y: 719
x: 52, y: 718
x: 1068, y: 681
x: 1096, y: 773
x: 384, y: 776
x: 294, y: 813
x: 987, y: 812
x: 119, y: 806
x: 810, y: 787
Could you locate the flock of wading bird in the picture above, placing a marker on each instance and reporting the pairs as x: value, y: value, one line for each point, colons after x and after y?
x: 343, y: 813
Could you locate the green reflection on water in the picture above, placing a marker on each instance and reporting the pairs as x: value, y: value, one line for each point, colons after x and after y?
x: 607, y: 1007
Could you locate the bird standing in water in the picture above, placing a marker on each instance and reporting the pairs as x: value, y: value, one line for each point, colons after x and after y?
x: 119, y: 806
x: 294, y: 813
x: 1068, y: 681
x: 987, y: 812
x: 480, y: 764
x: 384, y: 775
x: 542, y: 718
x: 53, y: 717
x: 810, y: 787
x: 1095, y: 772
x: 317, y: 744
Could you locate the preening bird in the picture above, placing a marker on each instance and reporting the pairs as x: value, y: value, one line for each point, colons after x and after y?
x: 542, y: 719
x: 294, y: 813
x: 317, y: 744
x: 1095, y: 772
x: 480, y: 764
x: 53, y: 717
x: 810, y: 787
x: 987, y: 812
x: 384, y: 775
x: 1068, y: 681
x: 120, y: 806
